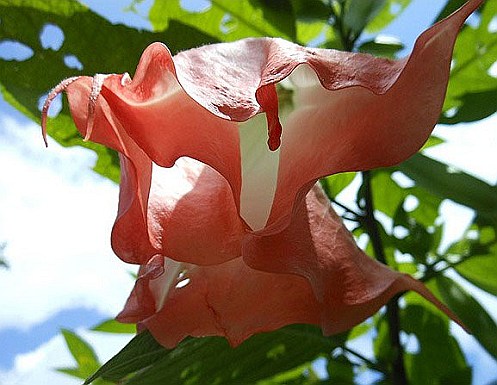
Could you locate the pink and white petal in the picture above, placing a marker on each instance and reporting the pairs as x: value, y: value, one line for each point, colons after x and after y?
x: 192, y: 216
x: 157, y: 113
x: 167, y: 211
x: 378, y: 118
x: 349, y: 285
x: 130, y: 239
x: 229, y: 300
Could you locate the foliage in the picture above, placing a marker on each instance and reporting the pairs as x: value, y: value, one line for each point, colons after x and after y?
x: 415, y: 233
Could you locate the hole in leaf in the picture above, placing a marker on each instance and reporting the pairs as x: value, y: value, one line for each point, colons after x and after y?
x: 14, y: 50
x: 473, y: 234
x: 492, y: 26
x: 492, y: 71
x: 400, y: 232
x: 55, y: 107
x: 228, y: 23
x: 451, y: 112
x: 402, y: 179
x: 410, y: 342
x: 195, y: 6
x: 51, y: 37
x: 72, y: 61
x: 410, y: 203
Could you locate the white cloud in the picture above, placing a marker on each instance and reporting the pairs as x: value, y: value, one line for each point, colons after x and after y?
x: 56, y: 220
x: 37, y: 367
x: 469, y: 147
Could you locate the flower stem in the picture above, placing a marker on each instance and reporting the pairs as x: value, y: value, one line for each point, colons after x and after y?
x: 398, y: 374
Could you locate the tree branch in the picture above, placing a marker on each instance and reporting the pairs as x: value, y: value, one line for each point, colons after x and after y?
x: 392, y: 307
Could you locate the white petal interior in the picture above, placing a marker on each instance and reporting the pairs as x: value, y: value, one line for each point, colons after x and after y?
x: 161, y: 286
x: 259, y: 172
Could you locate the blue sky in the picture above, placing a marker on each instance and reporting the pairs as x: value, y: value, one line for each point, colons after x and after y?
x: 62, y: 270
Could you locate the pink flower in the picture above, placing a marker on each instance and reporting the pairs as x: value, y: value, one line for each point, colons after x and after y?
x: 233, y: 235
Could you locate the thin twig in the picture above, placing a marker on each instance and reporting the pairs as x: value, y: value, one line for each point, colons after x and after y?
x: 367, y: 361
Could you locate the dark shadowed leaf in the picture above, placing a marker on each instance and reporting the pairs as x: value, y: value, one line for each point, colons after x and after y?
x: 141, y: 352
x: 211, y: 360
x: 379, y: 48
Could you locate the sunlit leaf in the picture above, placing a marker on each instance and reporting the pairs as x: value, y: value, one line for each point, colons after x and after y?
x: 481, y: 271
x: 111, y: 49
x: 379, y: 48
x: 471, y: 313
x: 458, y: 186
x: 434, y: 355
x: 359, y: 13
x: 112, y: 326
x: 390, y: 10
x: 83, y: 353
x: 334, y: 184
x: 229, y: 20
x: 472, y: 92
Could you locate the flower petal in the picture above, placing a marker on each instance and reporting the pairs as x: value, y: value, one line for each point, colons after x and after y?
x: 229, y: 300
x: 316, y: 276
x: 130, y: 239
x: 348, y: 285
x: 157, y: 113
x: 191, y: 214
x: 374, y: 113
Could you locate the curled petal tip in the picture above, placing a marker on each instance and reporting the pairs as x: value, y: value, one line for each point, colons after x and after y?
x: 61, y: 87
x: 268, y: 100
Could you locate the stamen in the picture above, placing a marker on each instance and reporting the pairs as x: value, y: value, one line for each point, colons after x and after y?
x: 59, y: 88
x: 268, y: 100
x: 96, y: 88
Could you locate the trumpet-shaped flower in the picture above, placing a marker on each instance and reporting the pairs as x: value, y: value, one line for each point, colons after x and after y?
x: 218, y: 198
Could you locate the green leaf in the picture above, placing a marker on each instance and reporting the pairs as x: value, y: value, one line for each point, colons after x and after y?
x: 211, y: 360
x: 390, y: 11
x: 472, y: 90
x: 229, y: 20
x: 141, y: 352
x: 359, y: 13
x: 111, y: 49
x: 334, y: 184
x: 311, y: 10
x: 379, y: 48
x: 481, y: 271
x: 438, y: 356
x: 83, y: 353
x: 113, y: 326
x: 387, y: 194
x: 450, y: 7
x: 471, y: 313
x: 340, y: 370
x: 418, y: 242
x: 460, y: 187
